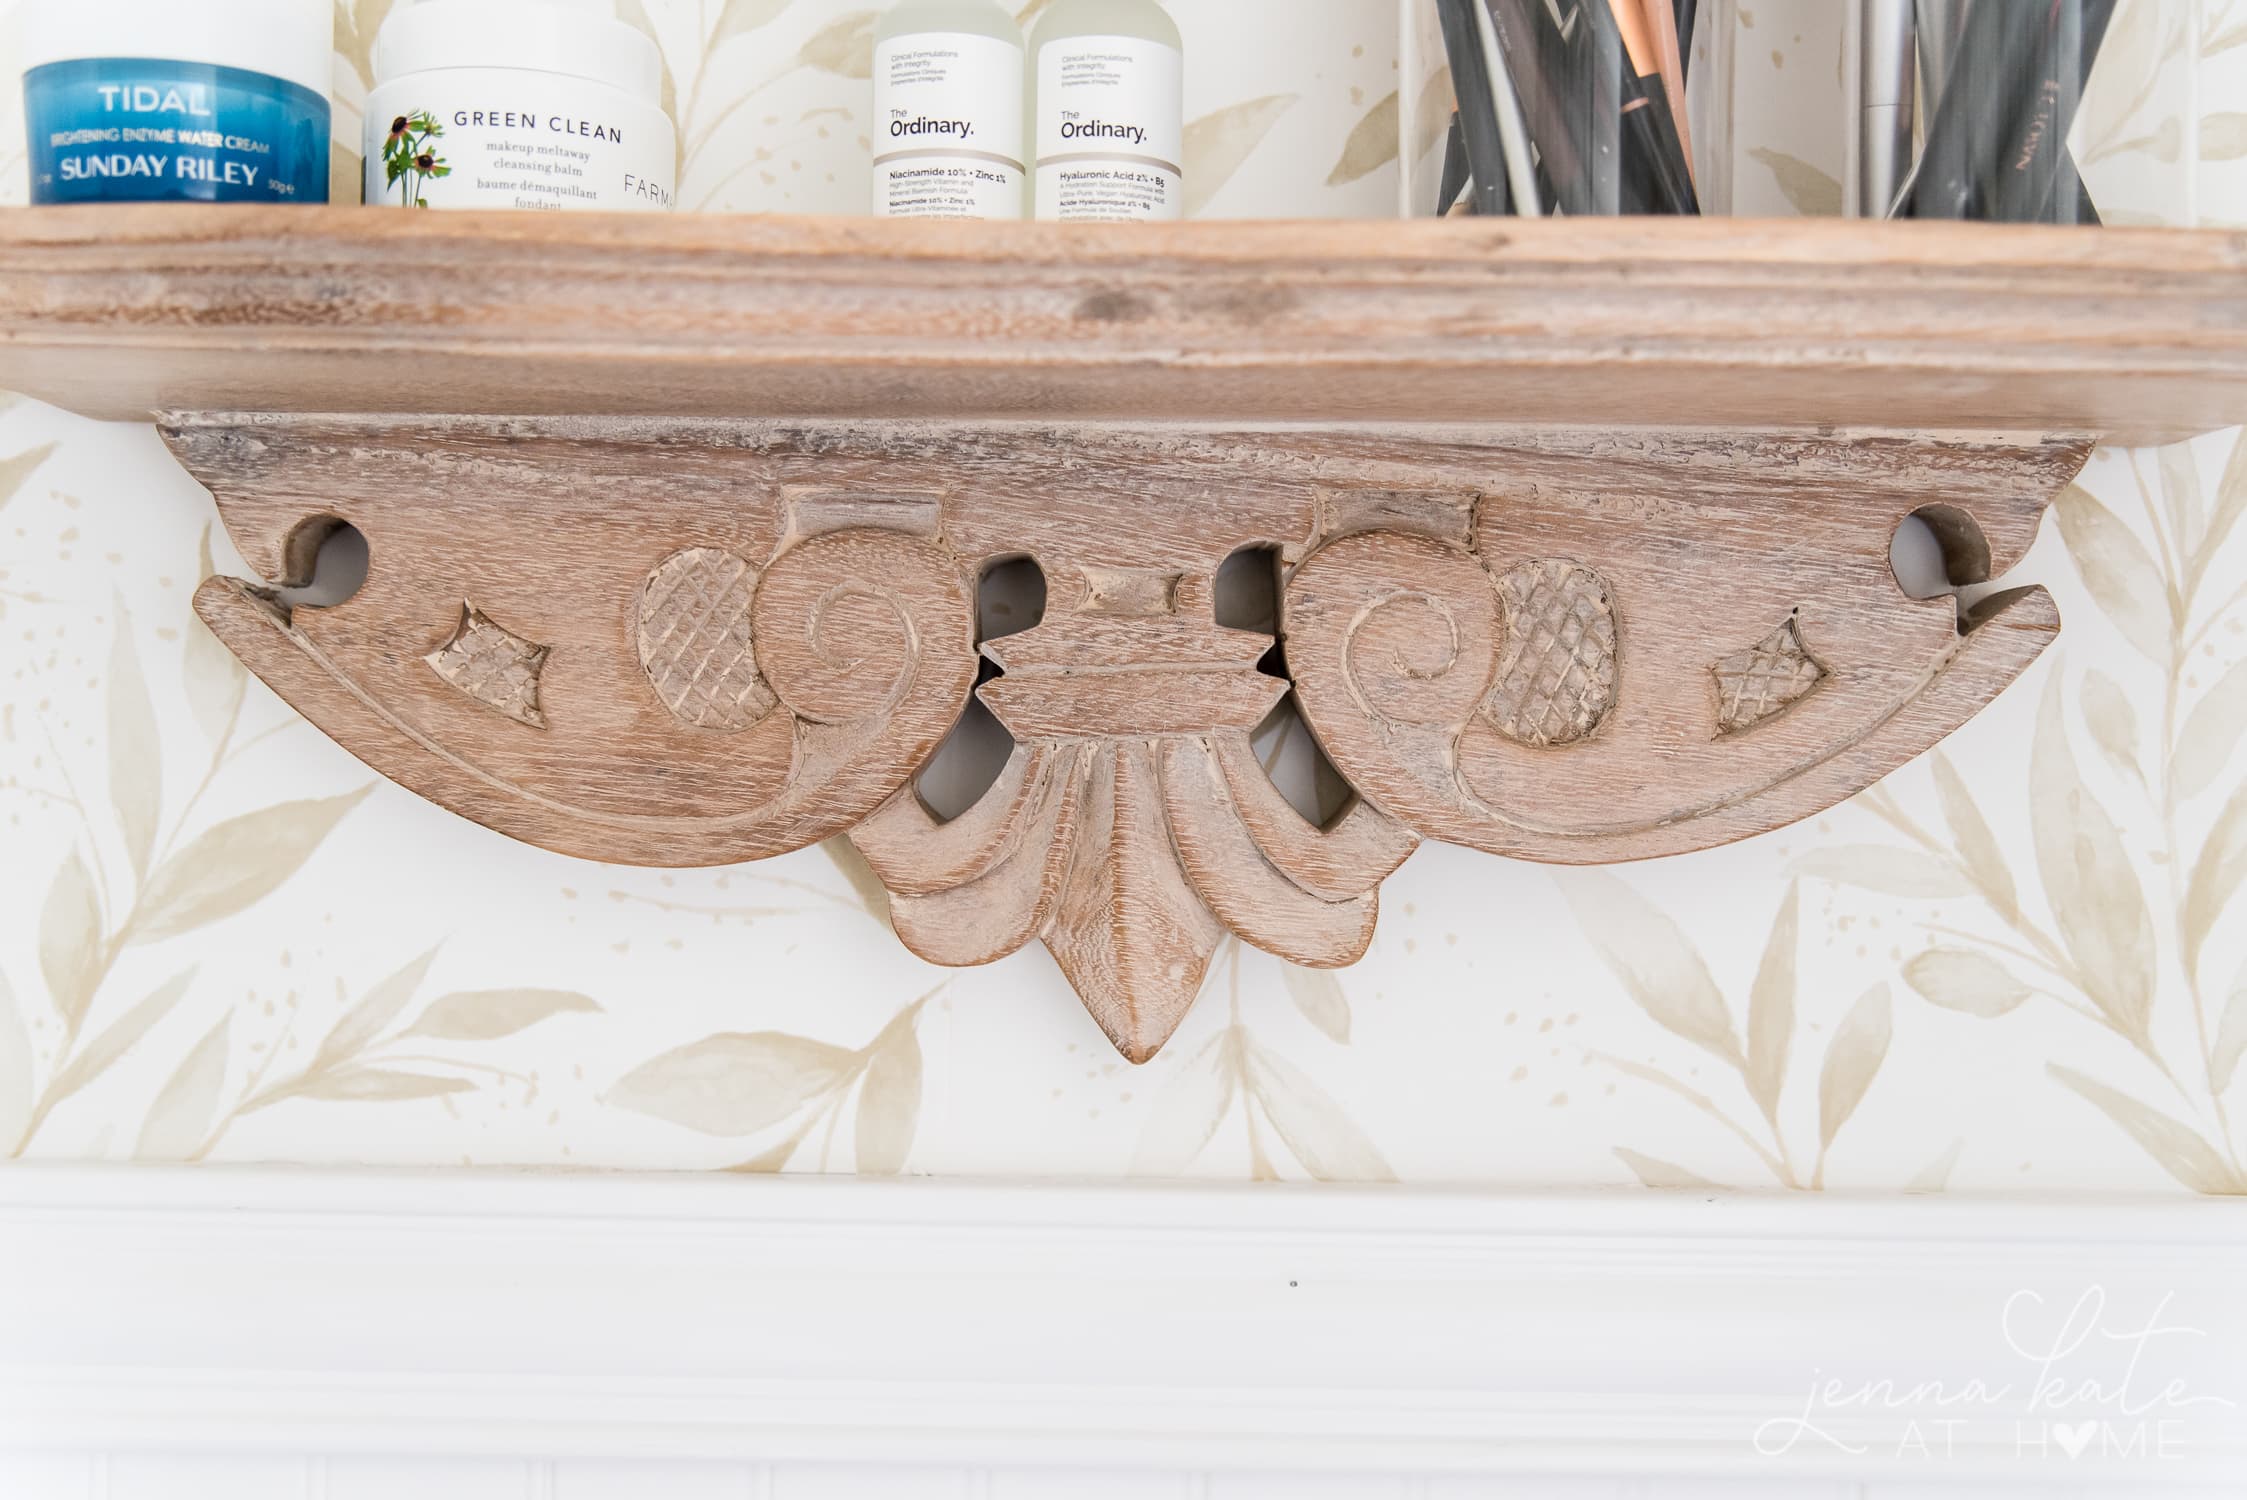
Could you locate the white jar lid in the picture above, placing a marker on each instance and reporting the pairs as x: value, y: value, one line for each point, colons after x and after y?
x: 291, y: 39
x: 576, y: 38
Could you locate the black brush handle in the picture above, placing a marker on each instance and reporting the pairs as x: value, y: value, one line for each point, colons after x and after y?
x: 1478, y: 106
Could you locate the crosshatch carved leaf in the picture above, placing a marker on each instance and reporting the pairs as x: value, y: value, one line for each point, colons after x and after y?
x: 695, y: 640
x: 1557, y: 670
x: 494, y: 666
x: 1765, y: 679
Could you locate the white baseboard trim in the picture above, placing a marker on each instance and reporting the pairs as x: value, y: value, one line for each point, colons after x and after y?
x: 1399, y: 1330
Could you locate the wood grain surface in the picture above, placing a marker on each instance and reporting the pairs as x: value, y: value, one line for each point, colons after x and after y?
x: 119, y: 312
x: 680, y: 641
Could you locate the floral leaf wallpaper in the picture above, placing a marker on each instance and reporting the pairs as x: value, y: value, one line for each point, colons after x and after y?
x: 2020, y: 963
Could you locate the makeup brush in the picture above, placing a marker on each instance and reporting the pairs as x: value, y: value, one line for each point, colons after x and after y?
x: 1687, y: 12
x: 1478, y: 111
x: 1521, y: 160
x: 1669, y: 56
x: 1655, y: 177
x: 2035, y: 163
x: 1564, y: 59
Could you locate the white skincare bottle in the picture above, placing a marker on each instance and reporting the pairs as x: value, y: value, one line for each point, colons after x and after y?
x: 1111, y: 112
x: 949, y: 132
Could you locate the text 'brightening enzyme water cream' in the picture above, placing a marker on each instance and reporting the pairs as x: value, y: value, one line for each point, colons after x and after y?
x: 1111, y: 112
x: 212, y: 101
x: 540, y: 104
x: 949, y: 107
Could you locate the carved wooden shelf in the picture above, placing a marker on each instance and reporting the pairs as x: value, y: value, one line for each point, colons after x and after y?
x: 675, y: 525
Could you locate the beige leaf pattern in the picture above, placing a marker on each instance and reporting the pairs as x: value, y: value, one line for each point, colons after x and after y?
x: 2231, y: 503
x: 2223, y: 136
x: 2113, y: 723
x: 487, y: 1015
x: 2089, y: 880
x: 187, y: 1105
x: 2115, y: 567
x: 1935, y: 1177
x: 17, y: 470
x: 1371, y: 146
x: 381, y: 1086
x: 1991, y: 872
x: 70, y: 940
x: 373, y: 1013
x: 1218, y: 143
x: 844, y: 46
x: 1312, y: 1126
x: 213, y: 676
x: 1653, y: 1172
x: 734, y: 1084
x: 1859, y: 1046
x: 739, y: 18
x: 1659, y: 967
x: 2180, y: 1150
x: 1318, y: 995
x: 1771, y: 1008
x: 136, y: 778
x: 1879, y: 867
x: 16, y: 1062
x: 889, y: 1098
x: 2211, y: 735
x: 1963, y: 980
x: 1188, y: 1110
x: 2216, y: 875
x: 237, y: 863
x: 2231, y: 1038
x: 1814, y: 194
x: 96, y: 1057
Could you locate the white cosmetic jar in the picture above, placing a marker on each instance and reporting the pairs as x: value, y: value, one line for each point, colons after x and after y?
x: 530, y: 104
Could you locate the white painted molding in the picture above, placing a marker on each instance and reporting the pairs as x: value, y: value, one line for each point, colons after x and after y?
x: 1401, y: 1330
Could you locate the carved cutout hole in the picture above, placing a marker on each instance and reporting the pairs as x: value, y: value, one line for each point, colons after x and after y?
x: 1010, y: 598
x: 331, y: 559
x: 1246, y: 590
x: 1291, y: 756
x: 1938, y: 550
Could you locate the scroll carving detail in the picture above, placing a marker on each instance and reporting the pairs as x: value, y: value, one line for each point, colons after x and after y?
x: 766, y: 655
